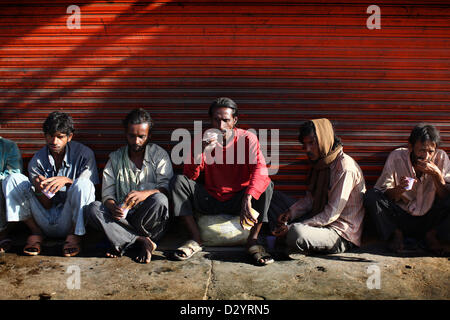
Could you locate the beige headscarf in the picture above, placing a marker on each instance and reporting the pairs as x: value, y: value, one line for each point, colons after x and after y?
x: 319, y: 176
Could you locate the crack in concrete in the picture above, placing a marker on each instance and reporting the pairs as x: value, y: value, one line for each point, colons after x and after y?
x: 209, y: 281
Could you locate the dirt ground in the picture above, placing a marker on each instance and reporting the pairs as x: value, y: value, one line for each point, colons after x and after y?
x: 219, y: 273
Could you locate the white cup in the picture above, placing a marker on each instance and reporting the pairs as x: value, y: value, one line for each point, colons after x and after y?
x: 210, y: 135
x: 48, y: 194
x: 125, y: 208
x: 410, y: 183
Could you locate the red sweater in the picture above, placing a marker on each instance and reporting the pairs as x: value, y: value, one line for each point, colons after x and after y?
x: 243, y: 169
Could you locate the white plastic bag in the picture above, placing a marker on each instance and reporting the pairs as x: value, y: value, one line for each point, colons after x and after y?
x: 221, y: 230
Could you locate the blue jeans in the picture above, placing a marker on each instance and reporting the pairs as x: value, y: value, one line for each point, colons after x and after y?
x: 22, y: 204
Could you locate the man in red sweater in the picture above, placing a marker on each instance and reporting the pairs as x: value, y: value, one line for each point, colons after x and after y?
x: 236, y: 181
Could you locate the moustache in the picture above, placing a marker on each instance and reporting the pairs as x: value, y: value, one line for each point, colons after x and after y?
x: 415, y: 158
x: 137, y: 147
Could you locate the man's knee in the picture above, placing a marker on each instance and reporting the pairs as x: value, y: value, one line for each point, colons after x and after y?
x: 16, y: 181
x: 297, y: 237
x: 94, y: 211
x: 159, y: 199
x: 371, y: 197
x: 83, y: 184
x: 178, y: 181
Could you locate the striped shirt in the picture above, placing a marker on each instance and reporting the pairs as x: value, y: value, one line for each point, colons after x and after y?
x: 419, y: 200
x: 344, y: 211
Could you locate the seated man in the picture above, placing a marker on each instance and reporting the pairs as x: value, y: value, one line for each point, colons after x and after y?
x: 136, y: 175
x: 421, y: 210
x: 233, y: 185
x: 10, y: 162
x: 63, y: 175
x: 329, y: 218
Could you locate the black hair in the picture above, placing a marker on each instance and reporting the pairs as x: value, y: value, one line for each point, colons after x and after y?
x: 424, y: 132
x: 58, y: 122
x: 138, y: 116
x: 307, y: 128
x: 223, y: 102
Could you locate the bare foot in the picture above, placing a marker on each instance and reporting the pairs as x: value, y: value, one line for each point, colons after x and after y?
x: 433, y: 243
x: 148, y: 247
x: 72, y: 245
x: 112, y: 253
x: 396, y: 243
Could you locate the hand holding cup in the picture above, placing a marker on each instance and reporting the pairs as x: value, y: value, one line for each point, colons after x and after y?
x: 406, y: 183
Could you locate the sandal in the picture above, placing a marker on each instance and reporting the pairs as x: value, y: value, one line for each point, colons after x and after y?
x: 33, y: 246
x: 71, y: 246
x: 187, y: 250
x: 260, y: 255
x: 5, y: 245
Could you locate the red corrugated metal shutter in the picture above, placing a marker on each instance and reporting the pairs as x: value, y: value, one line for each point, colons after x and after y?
x: 281, y: 62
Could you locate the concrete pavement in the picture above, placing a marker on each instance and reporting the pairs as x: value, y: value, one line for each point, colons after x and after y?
x: 370, y: 272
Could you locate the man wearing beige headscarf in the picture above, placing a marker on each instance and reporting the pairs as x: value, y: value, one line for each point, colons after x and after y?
x: 328, y: 219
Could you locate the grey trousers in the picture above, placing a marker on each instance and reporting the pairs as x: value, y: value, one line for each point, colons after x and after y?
x: 189, y: 196
x: 387, y: 217
x: 149, y: 219
x: 305, y: 239
x: 302, y: 238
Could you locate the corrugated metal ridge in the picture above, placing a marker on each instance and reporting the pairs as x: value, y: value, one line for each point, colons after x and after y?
x: 282, y: 62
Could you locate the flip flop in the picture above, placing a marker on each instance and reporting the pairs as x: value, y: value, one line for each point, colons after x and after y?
x: 189, y: 248
x: 33, y: 245
x: 72, y: 242
x: 5, y: 245
x: 260, y: 255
